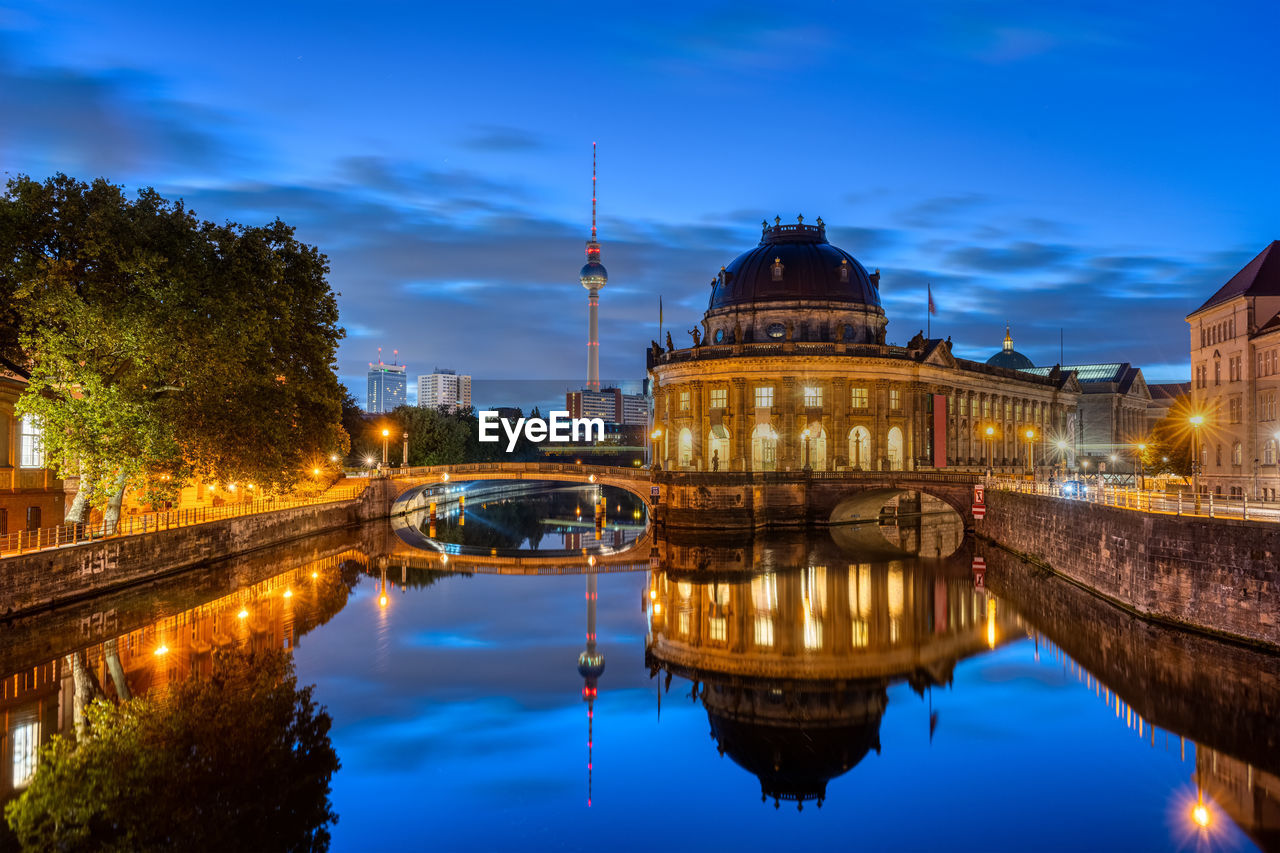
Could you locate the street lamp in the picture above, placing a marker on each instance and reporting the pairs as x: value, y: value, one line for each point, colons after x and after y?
x: 1031, y: 434
x: 1142, y: 449
x: 1195, y: 421
x: 991, y: 431
x: 655, y: 435
x: 805, y: 436
x: 386, y: 433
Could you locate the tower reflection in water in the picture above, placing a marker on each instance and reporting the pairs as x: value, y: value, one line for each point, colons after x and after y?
x: 793, y: 664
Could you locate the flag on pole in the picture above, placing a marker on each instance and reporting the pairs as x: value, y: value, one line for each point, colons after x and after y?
x: 659, y: 315
x: 933, y: 308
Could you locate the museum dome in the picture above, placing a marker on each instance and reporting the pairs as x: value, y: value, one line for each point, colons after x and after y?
x: 1009, y: 357
x: 794, y: 262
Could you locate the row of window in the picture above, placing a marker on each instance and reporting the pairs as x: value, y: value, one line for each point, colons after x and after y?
x: 1224, y: 331
x: 1237, y: 454
x: 1268, y: 363
x: 813, y: 396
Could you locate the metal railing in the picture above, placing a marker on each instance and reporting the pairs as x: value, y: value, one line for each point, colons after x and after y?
x: 25, y: 541
x: 1160, y: 503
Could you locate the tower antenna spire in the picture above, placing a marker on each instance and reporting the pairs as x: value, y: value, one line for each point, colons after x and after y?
x: 593, y: 191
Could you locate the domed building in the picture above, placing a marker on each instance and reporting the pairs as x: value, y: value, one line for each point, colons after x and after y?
x: 791, y: 368
x: 1010, y: 357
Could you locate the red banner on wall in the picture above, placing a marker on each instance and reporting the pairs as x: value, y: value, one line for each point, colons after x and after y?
x: 939, y: 430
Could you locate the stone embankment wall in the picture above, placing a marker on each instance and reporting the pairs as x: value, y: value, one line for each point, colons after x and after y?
x: 1221, y: 575
x: 43, y: 579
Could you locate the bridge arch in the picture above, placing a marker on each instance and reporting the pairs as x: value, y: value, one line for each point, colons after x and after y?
x: 414, y: 482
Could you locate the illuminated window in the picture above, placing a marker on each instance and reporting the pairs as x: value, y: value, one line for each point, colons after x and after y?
x: 32, y: 442
x: 764, y: 592
x: 683, y: 623
x: 764, y: 396
x: 684, y: 401
x: 895, y: 399
x: 858, y: 398
x: 844, y: 269
x: 719, y: 594
x: 718, y: 629
x: 812, y: 397
x: 26, y: 744
x: 860, y: 635
x: 719, y: 398
x: 764, y: 631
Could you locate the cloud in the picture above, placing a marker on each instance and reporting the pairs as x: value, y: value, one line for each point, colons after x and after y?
x: 494, y: 137
x: 942, y: 210
x: 112, y: 123
x: 1020, y: 256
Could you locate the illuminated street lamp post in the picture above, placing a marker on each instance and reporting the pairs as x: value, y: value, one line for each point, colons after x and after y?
x: 404, y: 458
x: 386, y: 433
x: 1062, y: 458
x: 1142, y: 449
x: 991, y: 431
x: 655, y: 435
x: 805, y: 436
x: 1196, y: 421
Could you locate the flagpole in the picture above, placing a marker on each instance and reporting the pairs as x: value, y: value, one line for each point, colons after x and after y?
x: 928, y: 312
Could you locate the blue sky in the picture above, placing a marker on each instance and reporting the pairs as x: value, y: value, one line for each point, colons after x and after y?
x: 1100, y: 169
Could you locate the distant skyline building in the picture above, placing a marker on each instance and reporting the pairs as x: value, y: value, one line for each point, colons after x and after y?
x: 610, y: 404
x: 386, y: 389
x: 593, y: 277
x: 444, y: 387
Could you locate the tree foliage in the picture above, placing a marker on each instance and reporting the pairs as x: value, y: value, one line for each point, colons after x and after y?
x: 1169, y: 451
x: 161, y: 347
x: 438, y: 437
x: 241, y: 761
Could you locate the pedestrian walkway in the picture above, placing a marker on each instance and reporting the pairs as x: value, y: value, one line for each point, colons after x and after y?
x: 64, y: 535
x: 1164, y: 503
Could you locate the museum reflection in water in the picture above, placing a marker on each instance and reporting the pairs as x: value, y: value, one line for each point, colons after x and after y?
x: 791, y: 644
x: 793, y: 664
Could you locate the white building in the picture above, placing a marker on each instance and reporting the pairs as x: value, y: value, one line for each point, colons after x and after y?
x: 444, y: 388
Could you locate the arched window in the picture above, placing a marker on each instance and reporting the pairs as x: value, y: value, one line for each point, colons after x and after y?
x: 686, y: 448
x: 1237, y: 454
x: 895, y: 449
x: 860, y: 449
x: 777, y: 269
x: 31, y: 443
x: 764, y: 448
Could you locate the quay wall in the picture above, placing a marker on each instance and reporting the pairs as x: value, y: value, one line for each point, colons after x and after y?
x: 43, y: 579
x: 1220, y: 576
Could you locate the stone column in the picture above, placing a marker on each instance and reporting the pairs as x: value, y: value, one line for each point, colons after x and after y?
x: 788, y: 432
x: 696, y: 409
x: 740, y: 437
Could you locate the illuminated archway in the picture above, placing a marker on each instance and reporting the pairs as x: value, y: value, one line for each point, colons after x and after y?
x: 816, y: 446
x: 895, y: 449
x: 686, y: 448
x: 764, y: 448
x: 718, y: 448
x: 860, y: 449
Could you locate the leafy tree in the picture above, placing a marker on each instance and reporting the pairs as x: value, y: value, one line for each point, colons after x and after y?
x: 242, y: 761
x: 160, y: 347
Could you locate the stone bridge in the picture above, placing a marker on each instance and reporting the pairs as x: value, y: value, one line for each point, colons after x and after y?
x: 754, y: 500
x: 409, y: 484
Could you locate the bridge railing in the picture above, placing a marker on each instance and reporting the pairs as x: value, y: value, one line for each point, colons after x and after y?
x: 1149, y: 501
x: 25, y: 541
x: 584, y: 471
x: 724, y: 478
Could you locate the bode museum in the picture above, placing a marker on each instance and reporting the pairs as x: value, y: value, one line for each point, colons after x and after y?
x: 791, y: 370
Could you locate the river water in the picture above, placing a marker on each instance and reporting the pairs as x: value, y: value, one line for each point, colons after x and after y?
x: 855, y: 689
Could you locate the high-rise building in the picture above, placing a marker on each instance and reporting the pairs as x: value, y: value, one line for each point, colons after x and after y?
x: 444, y: 388
x: 610, y: 404
x: 386, y: 386
x: 593, y: 278
x: 1235, y: 370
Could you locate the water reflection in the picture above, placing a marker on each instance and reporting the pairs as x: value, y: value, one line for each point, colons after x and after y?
x: 793, y: 665
x: 803, y: 652
x: 510, y: 519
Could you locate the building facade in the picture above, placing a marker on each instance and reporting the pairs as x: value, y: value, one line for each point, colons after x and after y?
x: 386, y: 388
x: 790, y: 370
x: 1235, y: 381
x: 1112, y: 415
x: 31, y: 495
x: 444, y: 388
x: 610, y: 404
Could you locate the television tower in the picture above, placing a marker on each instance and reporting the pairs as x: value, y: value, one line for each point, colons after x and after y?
x: 590, y: 667
x: 593, y: 278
